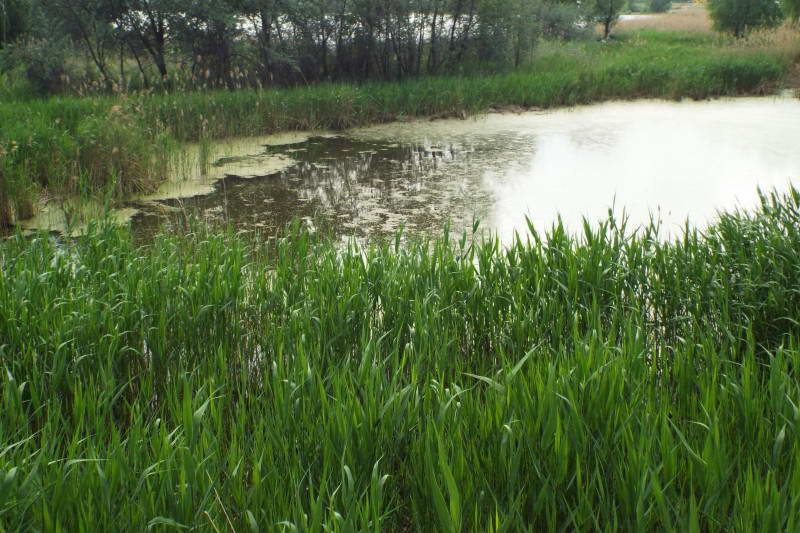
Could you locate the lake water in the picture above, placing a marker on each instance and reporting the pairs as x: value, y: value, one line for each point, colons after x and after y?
x: 669, y: 160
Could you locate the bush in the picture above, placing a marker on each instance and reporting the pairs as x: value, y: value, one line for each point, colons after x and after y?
x: 43, y: 61
x: 13, y: 23
x: 660, y: 6
x: 740, y: 16
x: 563, y: 22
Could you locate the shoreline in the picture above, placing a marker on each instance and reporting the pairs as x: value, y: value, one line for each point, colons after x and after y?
x: 122, y: 146
x: 244, y: 157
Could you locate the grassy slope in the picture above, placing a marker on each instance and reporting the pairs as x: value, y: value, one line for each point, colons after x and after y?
x: 611, y: 382
x: 113, y: 145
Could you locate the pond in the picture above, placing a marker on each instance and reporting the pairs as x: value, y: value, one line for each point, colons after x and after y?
x: 670, y: 161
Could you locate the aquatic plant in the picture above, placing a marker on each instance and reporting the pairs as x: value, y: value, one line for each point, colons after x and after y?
x: 609, y: 380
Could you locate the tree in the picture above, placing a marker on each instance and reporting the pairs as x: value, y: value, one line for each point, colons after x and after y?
x: 660, y: 6
x: 264, y: 16
x: 792, y: 10
x: 208, y: 31
x: 12, y: 20
x: 740, y: 16
x: 606, y: 12
x: 89, y: 23
x: 144, y: 22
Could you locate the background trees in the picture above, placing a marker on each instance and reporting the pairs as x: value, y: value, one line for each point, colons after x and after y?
x: 740, y: 16
x: 143, y: 28
x: 660, y: 6
x: 606, y: 13
x: 229, y: 43
x: 13, y: 20
x: 792, y: 10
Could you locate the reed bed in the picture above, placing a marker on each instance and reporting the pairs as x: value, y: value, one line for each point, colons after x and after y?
x: 109, y: 146
x: 607, y: 381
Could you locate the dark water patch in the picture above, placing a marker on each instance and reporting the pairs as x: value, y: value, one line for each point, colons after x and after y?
x: 348, y: 187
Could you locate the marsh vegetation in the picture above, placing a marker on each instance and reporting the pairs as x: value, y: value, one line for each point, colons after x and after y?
x: 607, y: 381
x: 109, y: 146
x: 592, y: 376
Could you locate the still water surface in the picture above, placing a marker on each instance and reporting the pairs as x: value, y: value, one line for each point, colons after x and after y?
x: 673, y: 161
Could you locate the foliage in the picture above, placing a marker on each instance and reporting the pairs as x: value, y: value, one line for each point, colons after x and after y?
x: 792, y: 9
x: 564, y: 21
x: 606, y: 13
x: 44, y: 62
x: 142, y: 26
x: 608, y: 381
x: 660, y: 6
x: 88, y: 23
x: 740, y: 16
x: 13, y: 20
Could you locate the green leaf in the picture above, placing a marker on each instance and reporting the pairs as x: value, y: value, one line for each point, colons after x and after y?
x: 251, y: 521
x: 198, y: 414
x: 163, y: 521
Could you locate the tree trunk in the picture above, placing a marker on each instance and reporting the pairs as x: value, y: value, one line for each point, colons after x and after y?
x: 145, y: 79
x: 432, y: 59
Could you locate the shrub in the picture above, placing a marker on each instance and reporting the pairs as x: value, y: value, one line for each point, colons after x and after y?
x: 792, y: 10
x: 563, y: 22
x: 44, y: 62
x: 660, y: 6
x: 740, y: 16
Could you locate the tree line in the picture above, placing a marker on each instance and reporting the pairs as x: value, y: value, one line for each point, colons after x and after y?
x: 235, y: 43
x: 230, y: 43
x: 266, y: 42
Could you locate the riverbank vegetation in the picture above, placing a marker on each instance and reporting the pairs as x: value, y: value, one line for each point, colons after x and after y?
x: 221, y: 380
x: 111, y: 146
x: 611, y: 381
x: 107, y: 133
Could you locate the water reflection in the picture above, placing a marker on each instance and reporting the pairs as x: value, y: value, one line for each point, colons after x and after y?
x: 674, y: 160
x: 354, y: 188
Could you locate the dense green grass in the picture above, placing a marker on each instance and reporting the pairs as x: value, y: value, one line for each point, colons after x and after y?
x: 114, y: 145
x: 647, y: 64
x: 610, y: 381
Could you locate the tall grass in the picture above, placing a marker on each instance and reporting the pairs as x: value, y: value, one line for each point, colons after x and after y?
x: 111, y: 146
x: 610, y: 381
x: 646, y: 64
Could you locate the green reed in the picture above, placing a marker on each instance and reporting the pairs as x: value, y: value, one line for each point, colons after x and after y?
x: 606, y: 381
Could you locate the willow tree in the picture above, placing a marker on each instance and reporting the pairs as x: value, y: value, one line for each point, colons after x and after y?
x: 792, y: 10
x: 89, y: 23
x: 12, y: 20
x: 606, y: 13
x: 144, y: 22
x: 740, y: 16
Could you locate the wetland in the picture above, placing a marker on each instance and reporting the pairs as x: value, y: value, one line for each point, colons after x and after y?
x: 669, y: 162
x: 253, y: 296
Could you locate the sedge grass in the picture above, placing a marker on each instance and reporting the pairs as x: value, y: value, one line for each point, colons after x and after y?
x: 608, y: 381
